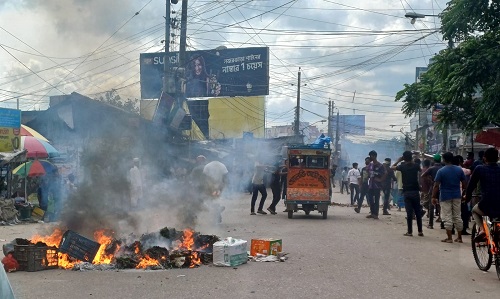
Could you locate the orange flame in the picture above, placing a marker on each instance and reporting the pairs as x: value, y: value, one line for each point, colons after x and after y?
x: 103, y: 257
x: 147, y: 261
x: 188, y: 244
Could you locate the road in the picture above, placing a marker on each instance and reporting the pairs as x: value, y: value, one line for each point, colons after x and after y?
x: 344, y: 256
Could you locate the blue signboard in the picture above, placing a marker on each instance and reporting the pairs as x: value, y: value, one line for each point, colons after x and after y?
x: 10, y: 118
x: 211, y: 73
x: 349, y: 124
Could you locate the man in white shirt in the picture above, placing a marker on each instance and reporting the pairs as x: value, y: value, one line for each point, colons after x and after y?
x: 354, y: 177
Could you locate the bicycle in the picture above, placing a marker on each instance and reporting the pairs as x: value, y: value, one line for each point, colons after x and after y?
x: 488, y: 250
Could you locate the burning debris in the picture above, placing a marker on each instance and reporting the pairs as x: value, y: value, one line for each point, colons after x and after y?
x: 68, y: 250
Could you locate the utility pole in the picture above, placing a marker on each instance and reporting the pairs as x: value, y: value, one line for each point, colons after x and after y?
x: 297, y: 109
x: 166, y: 65
x: 330, y: 104
x: 337, y: 136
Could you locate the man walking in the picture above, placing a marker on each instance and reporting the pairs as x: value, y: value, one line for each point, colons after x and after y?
x: 447, y: 185
x: 354, y: 177
x: 363, y: 185
x: 344, y: 182
x: 376, y: 175
x: 387, y: 185
x: 258, y: 186
x: 409, y: 172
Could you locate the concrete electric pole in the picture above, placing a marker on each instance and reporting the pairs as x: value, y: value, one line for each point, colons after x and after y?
x: 297, y: 109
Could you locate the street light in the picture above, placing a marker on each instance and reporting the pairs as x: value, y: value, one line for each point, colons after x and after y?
x: 414, y: 16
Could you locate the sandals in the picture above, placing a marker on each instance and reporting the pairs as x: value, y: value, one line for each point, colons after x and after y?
x: 447, y: 240
x: 420, y: 234
x: 458, y: 240
x: 408, y: 235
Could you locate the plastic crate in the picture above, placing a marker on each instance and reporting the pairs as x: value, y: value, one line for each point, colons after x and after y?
x: 78, y: 246
x: 36, y: 258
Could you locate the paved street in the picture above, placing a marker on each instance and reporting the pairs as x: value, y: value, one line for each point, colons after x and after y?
x: 344, y: 256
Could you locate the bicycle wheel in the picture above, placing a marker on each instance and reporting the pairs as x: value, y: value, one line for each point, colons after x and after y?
x: 481, y: 252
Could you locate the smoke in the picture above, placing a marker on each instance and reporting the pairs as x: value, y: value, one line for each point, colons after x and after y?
x: 103, y: 198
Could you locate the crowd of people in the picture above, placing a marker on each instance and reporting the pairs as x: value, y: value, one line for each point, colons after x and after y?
x: 447, y: 187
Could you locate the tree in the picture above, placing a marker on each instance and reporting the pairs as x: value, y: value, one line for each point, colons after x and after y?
x: 465, y: 80
x: 111, y: 97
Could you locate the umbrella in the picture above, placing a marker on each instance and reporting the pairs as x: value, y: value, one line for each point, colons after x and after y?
x: 38, y: 148
x: 490, y: 136
x: 34, y: 168
x: 27, y: 131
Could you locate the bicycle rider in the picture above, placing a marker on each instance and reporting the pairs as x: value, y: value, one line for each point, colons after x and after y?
x: 488, y: 176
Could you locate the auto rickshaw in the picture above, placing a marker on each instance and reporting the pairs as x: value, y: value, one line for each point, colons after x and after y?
x: 308, y: 179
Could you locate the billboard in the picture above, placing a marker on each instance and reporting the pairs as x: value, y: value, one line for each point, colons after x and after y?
x: 210, y: 73
x: 10, y: 129
x: 349, y: 124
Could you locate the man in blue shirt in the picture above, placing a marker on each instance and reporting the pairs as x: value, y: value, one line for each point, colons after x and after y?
x: 488, y: 175
x: 447, y: 183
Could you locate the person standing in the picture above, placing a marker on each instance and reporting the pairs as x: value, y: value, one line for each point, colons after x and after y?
x: 465, y: 212
x: 488, y: 175
x: 431, y: 173
x: 387, y: 185
x: 363, y: 185
x: 258, y: 186
x: 411, y: 191
x: 135, y: 177
x: 447, y: 185
x: 275, y: 188
x: 344, y: 182
x: 425, y: 188
x: 354, y: 177
x: 478, y: 162
x: 376, y: 176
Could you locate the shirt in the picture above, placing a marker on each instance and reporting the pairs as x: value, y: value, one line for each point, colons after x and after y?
x: 409, y: 173
x: 376, y: 174
x: 353, y: 176
x: 489, y: 177
x: 258, y: 176
x: 344, y: 175
x: 450, y: 177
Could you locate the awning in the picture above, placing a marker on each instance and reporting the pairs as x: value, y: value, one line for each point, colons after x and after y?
x: 10, y: 157
x: 489, y: 136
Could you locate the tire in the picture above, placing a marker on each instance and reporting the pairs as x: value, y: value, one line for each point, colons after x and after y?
x: 290, y: 214
x: 481, y: 252
x: 325, y: 214
x: 307, y: 212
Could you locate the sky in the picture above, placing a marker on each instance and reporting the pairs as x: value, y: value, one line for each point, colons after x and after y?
x: 355, y: 53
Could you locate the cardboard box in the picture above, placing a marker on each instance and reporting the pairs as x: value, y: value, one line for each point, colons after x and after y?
x: 230, y: 252
x: 266, y: 246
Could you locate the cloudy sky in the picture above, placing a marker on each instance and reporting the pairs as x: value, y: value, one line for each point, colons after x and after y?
x: 356, y: 53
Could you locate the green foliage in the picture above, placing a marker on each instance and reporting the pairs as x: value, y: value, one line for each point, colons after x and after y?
x: 111, y: 97
x: 465, y: 79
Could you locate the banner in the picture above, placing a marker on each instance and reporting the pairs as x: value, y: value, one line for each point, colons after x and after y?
x: 210, y: 73
x: 349, y: 124
x: 10, y: 129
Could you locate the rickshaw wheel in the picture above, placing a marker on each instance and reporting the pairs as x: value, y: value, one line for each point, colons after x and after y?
x: 290, y: 214
x: 307, y: 212
x: 325, y: 214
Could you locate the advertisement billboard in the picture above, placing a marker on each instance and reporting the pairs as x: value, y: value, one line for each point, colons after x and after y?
x: 349, y: 124
x: 210, y: 73
x: 10, y: 129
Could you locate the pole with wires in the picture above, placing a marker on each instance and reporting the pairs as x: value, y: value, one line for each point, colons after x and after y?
x: 297, y: 108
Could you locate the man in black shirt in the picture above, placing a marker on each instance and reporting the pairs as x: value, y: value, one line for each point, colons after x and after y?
x: 411, y: 187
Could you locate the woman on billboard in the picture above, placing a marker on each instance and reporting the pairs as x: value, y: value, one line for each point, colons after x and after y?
x: 199, y: 82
